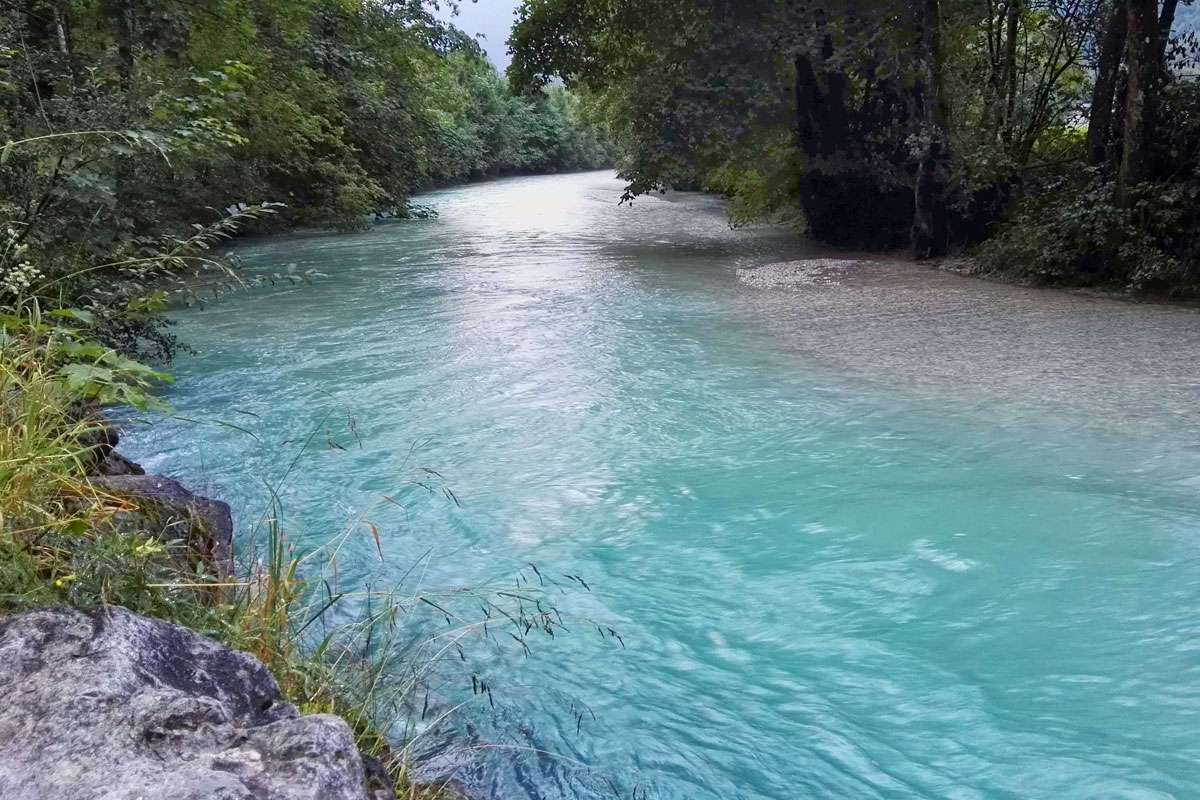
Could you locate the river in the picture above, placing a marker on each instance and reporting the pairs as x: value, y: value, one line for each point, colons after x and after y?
x: 891, y: 534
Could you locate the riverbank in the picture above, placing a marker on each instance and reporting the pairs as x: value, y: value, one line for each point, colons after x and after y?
x: 971, y: 268
x: 835, y: 267
x: 82, y: 526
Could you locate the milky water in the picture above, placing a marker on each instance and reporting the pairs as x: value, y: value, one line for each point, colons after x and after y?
x: 889, y: 534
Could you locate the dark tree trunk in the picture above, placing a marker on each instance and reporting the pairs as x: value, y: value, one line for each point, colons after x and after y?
x: 1012, y: 27
x: 821, y: 106
x: 843, y: 203
x: 1141, y: 95
x: 808, y: 105
x: 931, y: 29
x: 1100, y: 120
x: 930, y: 231
x: 991, y: 118
x: 126, y: 37
x: 862, y: 184
x: 931, y: 184
x: 1166, y: 21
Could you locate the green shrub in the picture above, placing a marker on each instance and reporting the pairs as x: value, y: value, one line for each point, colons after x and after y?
x: 761, y: 180
x: 1076, y: 232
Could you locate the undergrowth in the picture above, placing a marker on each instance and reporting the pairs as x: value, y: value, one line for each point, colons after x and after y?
x: 1077, y: 233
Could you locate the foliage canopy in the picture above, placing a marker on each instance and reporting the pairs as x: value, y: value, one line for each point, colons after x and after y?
x: 918, y: 123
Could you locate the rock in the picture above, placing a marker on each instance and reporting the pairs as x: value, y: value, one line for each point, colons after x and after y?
x: 380, y: 785
x: 116, y: 464
x: 109, y: 705
x: 166, y: 508
x: 100, y: 456
x: 98, y: 441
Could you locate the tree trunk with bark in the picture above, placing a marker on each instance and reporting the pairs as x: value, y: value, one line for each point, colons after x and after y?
x: 930, y: 231
x: 1100, y: 119
x: 1166, y: 21
x: 877, y: 161
x: 1012, y: 29
x: 1141, y: 95
x: 843, y: 202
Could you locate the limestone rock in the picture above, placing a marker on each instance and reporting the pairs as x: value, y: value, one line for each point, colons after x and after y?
x: 113, y: 706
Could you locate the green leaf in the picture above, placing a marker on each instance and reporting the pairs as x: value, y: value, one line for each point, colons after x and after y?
x: 77, y: 314
x: 134, y: 369
x: 82, y: 350
x: 86, y: 378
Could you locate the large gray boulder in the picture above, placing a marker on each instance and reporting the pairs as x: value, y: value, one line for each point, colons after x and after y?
x: 109, y: 705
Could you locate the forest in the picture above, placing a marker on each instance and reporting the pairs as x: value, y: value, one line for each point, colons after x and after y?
x: 1058, y: 141
x: 138, y: 133
x: 1053, y: 141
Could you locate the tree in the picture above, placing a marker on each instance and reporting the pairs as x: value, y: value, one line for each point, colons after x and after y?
x: 127, y: 123
x: 1124, y: 116
x: 692, y: 80
x: 1105, y: 90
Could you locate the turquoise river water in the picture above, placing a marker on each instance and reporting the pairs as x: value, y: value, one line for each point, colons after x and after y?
x: 892, y: 533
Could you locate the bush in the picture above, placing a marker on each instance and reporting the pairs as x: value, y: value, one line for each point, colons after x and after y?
x: 761, y: 181
x: 1074, y: 231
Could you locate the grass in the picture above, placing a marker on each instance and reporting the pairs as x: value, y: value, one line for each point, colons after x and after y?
x: 58, y: 545
x: 42, y: 461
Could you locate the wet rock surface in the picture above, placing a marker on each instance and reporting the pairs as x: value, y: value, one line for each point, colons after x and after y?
x: 116, y: 706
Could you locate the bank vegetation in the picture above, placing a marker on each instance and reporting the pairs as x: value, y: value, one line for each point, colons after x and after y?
x: 1058, y: 141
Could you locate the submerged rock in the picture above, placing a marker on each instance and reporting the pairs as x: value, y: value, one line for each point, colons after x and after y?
x: 806, y: 273
x: 116, y: 706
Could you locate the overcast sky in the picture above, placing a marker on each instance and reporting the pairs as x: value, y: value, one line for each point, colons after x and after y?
x: 492, y: 18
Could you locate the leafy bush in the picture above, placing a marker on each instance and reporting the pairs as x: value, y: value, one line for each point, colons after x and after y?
x: 1076, y: 231
x: 52, y: 545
